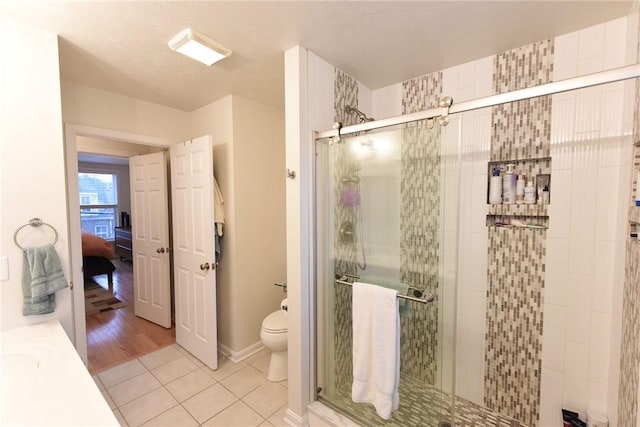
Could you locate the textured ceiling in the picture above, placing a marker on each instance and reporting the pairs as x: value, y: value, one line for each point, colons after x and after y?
x: 121, y: 46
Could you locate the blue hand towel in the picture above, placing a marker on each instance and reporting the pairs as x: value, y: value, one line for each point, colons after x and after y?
x: 42, y: 276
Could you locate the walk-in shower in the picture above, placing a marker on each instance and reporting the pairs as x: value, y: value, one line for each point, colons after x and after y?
x: 472, y: 355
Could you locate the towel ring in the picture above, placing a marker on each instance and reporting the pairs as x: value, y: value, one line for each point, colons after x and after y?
x: 35, y: 222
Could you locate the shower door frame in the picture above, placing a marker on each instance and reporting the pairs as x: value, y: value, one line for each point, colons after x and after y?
x: 575, y: 83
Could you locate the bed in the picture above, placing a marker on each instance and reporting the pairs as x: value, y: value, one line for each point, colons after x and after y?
x: 97, y: 254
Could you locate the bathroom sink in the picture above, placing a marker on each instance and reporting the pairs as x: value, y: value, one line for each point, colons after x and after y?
x: 45, y: 383
x: 23, y: 366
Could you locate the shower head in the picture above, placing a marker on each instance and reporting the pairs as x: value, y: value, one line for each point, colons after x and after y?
x: 361, y: 116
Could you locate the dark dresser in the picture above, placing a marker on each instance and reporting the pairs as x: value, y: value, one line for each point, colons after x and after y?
x: 123, y: 243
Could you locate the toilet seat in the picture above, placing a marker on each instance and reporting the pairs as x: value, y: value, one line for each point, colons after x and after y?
x: 275, y: 323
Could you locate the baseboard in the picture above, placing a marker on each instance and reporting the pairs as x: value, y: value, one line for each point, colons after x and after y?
x: 237, y: 356
x: 292, y: 419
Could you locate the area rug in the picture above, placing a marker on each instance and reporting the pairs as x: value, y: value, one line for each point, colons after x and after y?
x: 97, y: 299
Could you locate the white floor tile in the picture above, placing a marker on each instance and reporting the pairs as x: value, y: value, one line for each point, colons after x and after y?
x: 209, y: 402
x: 194, y: 359
x: 96, y: 380
x: 262, y: 364
x: 112, y: 404
x: 277, y: 419
x: 244, y: 381
x: 121, y: 373
x: 190, y: 384
x: 257, y: 356
x: 266, y: 424
x: 147, y: 407
x: 160, y: 357
x: 267, y: 398
x: 173, y: 370
x: 120, y: 418
x: 236, y: 415
x: 225, y: 368
x: 133, y: 388
x: 176, y: 416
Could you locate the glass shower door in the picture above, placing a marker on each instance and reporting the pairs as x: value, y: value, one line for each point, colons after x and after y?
x: 383, y: 218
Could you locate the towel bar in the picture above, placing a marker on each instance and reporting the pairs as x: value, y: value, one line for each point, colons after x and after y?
x: 35, y: 222
x: 427, y: 297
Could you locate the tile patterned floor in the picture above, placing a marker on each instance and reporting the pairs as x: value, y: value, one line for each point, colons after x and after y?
x: 170, y: 387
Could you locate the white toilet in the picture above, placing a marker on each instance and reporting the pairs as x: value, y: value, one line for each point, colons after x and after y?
x: 274, y: 334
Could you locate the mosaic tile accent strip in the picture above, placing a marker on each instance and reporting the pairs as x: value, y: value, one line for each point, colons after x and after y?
x: 516, y: 257
x: 522, y: 129
x: 421, y: 93
x: 420, y: 242
x: 630, y: 348
x: 345, y: 93
x: 514, y: 322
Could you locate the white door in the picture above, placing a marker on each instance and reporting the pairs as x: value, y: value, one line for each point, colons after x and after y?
x: 150, y: 238
x: 193, y: 248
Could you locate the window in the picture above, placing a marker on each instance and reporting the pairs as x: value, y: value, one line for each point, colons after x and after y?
x: 98, y: 203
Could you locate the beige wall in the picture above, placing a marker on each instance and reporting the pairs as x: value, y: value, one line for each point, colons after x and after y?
x: 32, y: 161
x: 248, y: 162
x: 249, y: 167
x: 260, y: 216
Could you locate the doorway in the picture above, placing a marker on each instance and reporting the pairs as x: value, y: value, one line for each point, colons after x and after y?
x: 116, y: 335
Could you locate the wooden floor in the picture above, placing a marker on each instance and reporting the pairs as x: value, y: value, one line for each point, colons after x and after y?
x: 117, y: 336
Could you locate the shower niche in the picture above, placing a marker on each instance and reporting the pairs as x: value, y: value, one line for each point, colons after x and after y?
x: 533, y: 170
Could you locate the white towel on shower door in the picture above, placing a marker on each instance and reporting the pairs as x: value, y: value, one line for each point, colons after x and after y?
x: 376, y: 347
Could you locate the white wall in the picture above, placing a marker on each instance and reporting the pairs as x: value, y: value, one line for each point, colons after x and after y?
x: 591, y: 155
x: 92, y: 107
x: 32, y: 161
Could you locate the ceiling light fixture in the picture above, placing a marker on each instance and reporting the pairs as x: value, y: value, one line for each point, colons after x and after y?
x: 198, y: 47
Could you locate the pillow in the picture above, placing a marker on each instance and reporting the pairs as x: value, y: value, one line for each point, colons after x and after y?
x: 96, y: 246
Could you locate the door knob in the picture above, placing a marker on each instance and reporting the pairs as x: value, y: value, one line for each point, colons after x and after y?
x: 204, y: 266
x: 160, y: 250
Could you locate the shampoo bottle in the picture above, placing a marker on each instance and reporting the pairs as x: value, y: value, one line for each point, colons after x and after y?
x: 495, y: 187
x: 530, y: 193
x: 509, y: 185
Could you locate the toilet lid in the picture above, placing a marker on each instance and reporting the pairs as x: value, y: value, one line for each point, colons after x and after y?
x: 275, y: 322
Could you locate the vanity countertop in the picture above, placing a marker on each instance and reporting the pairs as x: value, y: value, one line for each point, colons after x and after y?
x: 45, y: 383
